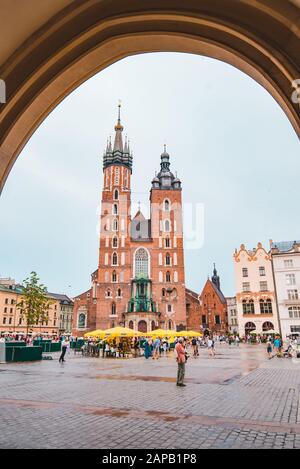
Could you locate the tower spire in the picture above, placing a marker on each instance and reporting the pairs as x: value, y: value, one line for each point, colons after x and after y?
x: 117, y: 153
x: 215, y: 278
x: 118, y: 143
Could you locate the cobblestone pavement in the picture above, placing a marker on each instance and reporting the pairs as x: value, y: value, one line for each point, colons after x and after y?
x: 237, y: 400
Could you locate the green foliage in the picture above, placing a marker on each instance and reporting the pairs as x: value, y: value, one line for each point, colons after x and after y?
x: 34, y: 302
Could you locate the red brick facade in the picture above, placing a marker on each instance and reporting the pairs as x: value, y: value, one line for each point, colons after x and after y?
x: 140, y: 281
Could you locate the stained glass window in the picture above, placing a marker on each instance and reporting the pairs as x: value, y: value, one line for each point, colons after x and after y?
x: 141, y: 263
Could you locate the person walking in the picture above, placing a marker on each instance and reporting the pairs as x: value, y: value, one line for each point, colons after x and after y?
x: 269, y: 348
x: 147, y: 348
x: 277, y: 345
x: 181, y: 359
x: 156, y: 348
x: 195, y: 347
x: 211, y: 347
x: 64, y: 346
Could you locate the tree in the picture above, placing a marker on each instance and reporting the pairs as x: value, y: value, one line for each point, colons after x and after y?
x: 34, y: 302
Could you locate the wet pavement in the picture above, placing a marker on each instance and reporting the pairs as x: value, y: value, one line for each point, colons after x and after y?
x: 239, y: 399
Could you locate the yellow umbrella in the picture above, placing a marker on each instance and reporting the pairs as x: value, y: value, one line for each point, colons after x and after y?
x: 97, y: 333
x: 161, y: 333
x: 121, y: 332
x: 189, y: 334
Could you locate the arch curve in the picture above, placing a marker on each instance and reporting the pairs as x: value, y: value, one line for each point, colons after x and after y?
x: 57, y: 54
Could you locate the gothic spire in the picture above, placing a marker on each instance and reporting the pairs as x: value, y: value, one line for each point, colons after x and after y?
x: 118, y: 144
x: 117, y: 154
x: 215, y: 278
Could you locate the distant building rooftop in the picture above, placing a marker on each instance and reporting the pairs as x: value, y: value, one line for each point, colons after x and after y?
x: 284, y: 246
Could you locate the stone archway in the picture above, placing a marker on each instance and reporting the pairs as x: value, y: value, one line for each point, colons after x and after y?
x: 249, y: 327
x: 268, y: 326
x: 142, y: 326
x: 50, y: 50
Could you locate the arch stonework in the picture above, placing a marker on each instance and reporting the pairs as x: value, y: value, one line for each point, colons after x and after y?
x: 51, y: 49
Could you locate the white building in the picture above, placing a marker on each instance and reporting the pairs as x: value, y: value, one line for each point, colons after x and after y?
x: 255, y: 292
x: 232, y: 315
x: 286, y: 268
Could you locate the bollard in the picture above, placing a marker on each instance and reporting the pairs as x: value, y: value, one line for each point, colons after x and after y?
x: 2, y: 352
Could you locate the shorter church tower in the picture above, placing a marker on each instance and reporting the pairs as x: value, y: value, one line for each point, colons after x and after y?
x: 167, y: 234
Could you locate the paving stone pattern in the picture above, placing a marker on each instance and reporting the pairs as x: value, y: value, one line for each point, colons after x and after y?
x: 239, y: 399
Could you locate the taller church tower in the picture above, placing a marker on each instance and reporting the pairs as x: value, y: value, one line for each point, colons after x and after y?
x: 112, y: 289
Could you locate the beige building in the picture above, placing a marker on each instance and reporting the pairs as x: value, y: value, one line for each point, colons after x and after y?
x: 232, y: 315
x: 59, y: 314
x: 286, y: 268
x: 255, y: 292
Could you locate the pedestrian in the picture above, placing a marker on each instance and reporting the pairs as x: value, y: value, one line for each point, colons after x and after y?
x: 181, y: 359
x: 136, y: 347
x: 147, y: 346
x: 211, y: 346
x: 269, y: 348
x: 277, y: 345
x: 194, y: 347
x: 64, y: 346
x: 237, y: 341
x: 156, y: 348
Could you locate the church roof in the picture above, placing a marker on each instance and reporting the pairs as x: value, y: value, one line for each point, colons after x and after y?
x: 284, y: 246
x: 140, y: 228
x: 139, y: 216
x: 118, y: 154
x: 218, y: 292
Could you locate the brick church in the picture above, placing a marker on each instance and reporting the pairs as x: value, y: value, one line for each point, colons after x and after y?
x: 140, y: 280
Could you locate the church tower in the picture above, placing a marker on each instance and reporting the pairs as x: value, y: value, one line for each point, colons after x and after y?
x: 113, y: 275
x: 167, y: 236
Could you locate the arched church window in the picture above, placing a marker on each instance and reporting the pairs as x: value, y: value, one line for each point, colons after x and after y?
x: 81, y: 321
x: 115, y: 259
x: 113, y: 308
x: 141, y: 263
x: 168, y: 277
x: 115, y: 242
x: 115, y: 209
x: 116, y: 194
x: 114, y: 276
x: 115, y: 225
x: 168, y: 259
x: 167, y: 242
x: 119, y: 292
x: 167, y: 205
x: 167, y: 226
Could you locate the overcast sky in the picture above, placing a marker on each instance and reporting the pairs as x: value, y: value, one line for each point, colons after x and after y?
x: 231, y: 144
